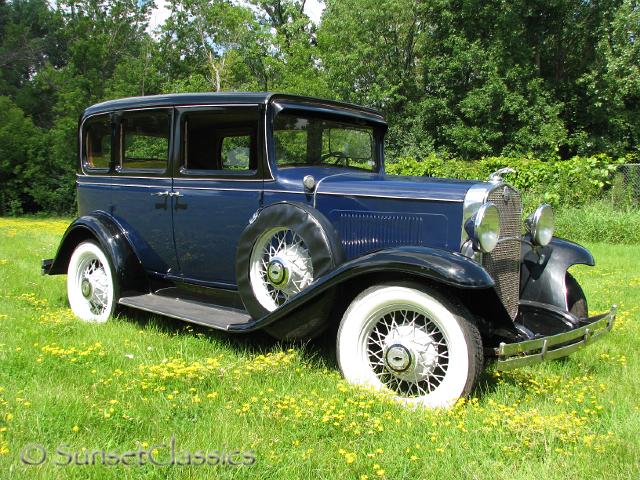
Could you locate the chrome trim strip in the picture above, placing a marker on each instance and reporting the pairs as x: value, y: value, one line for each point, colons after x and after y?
x: 222, y: 189
x: 188, y: 179
x: 428, y: 199
x: 175, y: 187
x: 315, y: 191
x: 269, y: 190
x: 105, y: 184
x: 213, y: 178
x: 514, y: 355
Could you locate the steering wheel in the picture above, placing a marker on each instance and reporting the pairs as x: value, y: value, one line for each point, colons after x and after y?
x: 339, y: 156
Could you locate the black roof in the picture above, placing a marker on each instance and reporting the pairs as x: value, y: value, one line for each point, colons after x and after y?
x: 235, y: 98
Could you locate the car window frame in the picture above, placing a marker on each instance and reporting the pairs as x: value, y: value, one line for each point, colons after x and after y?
x: 303, y: 109
x: 120, y: 171
x: 182, y: 173
x: 82, y: 143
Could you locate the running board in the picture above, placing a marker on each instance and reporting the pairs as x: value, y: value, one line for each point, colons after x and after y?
x: 188, y: 310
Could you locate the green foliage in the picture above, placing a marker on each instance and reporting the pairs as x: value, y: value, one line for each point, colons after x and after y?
x: 456, y: 79
x: 574, y: 182
x: 599, y: 221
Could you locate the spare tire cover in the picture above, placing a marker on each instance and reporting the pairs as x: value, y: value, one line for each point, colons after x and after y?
x: 315, y: 230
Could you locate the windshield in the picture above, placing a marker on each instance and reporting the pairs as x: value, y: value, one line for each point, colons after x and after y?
x: 314, y: 141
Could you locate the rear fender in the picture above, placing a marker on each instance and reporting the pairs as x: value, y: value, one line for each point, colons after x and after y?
x: 544, y: 269
x: 103, y: 228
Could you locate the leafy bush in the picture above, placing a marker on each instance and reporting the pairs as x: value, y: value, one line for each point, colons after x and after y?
x: 572, y: 182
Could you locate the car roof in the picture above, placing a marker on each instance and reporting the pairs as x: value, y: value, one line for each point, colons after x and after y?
x: 229, y: 98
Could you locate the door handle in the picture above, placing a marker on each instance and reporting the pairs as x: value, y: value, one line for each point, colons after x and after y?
x: 176, y: 194
x: 161, y: 194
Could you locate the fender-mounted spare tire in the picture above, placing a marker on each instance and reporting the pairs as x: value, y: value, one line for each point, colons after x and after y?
x: 285, y: 248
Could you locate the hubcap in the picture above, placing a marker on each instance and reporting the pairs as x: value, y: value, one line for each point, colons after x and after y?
x: 277, y: 272
x: 397, y: 358
x: 85, y: 288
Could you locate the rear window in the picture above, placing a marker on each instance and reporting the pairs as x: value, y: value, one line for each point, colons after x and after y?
x: 145, y: 141
x: 97, y: 144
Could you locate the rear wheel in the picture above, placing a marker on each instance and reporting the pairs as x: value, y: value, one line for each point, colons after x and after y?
x: 91, y: 284
x: 411, y: 341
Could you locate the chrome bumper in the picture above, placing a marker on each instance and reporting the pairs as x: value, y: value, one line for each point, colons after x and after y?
x: 514, y: 355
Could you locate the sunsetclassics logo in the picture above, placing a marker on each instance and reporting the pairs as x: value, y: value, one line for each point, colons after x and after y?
x: 162, y: 455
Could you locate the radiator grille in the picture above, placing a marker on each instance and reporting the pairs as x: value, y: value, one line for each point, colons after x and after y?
x: 503, y: 263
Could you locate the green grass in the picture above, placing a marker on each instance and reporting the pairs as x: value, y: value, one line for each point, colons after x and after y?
x: 142, y: 378
x: 600, y: 222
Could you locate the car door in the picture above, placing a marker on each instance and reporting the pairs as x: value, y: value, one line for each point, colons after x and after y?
x: 141, y: 186
x: 217, y: 188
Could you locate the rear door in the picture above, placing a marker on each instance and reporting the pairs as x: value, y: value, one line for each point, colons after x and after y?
x: 217, y: 188
x: 141, y: 186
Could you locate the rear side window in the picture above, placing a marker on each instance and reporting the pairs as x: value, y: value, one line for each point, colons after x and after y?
x: 222, y: 141
x: 145, y: 141
x: 97, y: 144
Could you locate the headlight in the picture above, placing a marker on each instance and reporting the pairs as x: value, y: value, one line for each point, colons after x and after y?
x: 540, y: 225
x: 484, y: 227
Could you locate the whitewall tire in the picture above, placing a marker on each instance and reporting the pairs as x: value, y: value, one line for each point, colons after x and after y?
x: 412, y: 342
x: 91, y: 285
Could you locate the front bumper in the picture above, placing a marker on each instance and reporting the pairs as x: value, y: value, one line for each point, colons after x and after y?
x: 514, y: 355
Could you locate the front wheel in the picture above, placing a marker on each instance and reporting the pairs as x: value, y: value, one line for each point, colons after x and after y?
x: 411, y: 341
x: 91, y: 285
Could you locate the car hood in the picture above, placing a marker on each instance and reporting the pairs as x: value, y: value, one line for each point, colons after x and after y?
x: 394, y: 186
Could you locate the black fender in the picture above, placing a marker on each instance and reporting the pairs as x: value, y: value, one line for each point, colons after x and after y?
x: 103, y: 228
x: 434, y: 265
x: 544, y: 269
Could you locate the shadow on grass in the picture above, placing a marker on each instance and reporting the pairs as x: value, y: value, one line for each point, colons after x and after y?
x: 321, y: 350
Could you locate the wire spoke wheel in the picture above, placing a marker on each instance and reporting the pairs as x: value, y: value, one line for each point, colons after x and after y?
x: 90, y: 285
x: 280, y: 267
x: 410, y: 342
x: 407, y: 351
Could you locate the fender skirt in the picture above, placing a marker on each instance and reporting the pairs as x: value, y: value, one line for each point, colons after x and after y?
x: 440, y: 266
x: 110, y: 235
x: 543, y: 270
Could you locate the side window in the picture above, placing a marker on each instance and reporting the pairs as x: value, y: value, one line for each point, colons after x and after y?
x: 220, y: 142
x: 145, y: 141
x: 96, y: 155
x: 235, y: 152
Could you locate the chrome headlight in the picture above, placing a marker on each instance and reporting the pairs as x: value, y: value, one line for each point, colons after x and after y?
x: 484, y: 227
x: 540, y: 224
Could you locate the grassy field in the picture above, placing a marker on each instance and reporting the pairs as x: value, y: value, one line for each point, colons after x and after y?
x: 139, y: 380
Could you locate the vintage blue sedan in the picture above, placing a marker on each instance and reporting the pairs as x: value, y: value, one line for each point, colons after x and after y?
x: 247, y: 211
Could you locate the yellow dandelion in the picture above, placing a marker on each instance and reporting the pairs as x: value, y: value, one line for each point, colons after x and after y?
x: 75, y: 429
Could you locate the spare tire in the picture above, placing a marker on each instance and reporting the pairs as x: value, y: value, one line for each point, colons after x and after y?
x: 285, y: 248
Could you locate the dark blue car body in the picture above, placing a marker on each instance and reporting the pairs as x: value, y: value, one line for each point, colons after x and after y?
x: 176, y: 235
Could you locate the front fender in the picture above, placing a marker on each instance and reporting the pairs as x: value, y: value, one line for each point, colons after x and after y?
x: 103, y: 228
x: 438, y: 266
x: 544, y: 269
